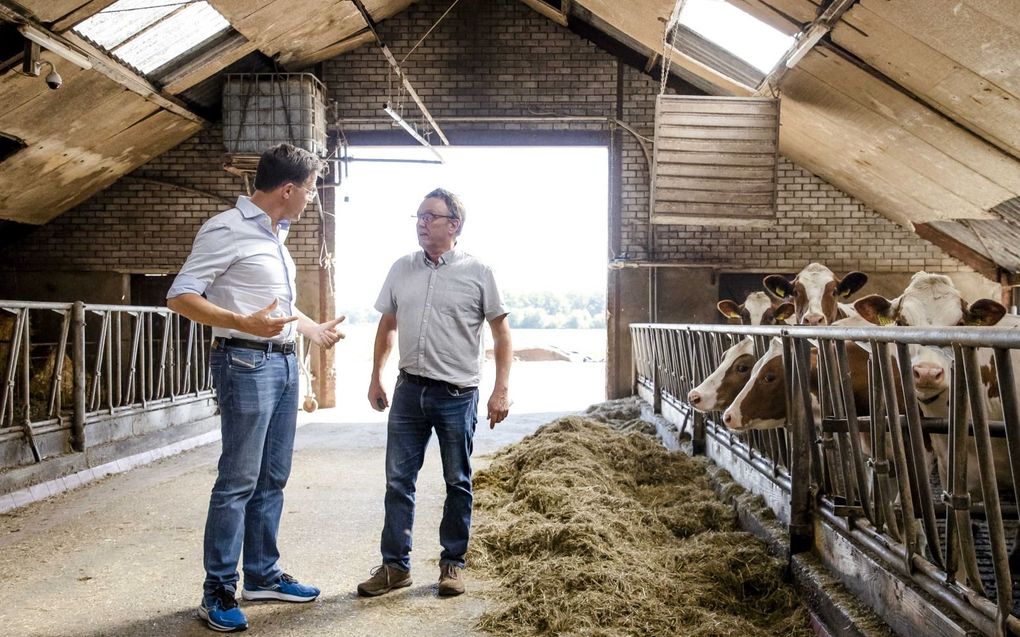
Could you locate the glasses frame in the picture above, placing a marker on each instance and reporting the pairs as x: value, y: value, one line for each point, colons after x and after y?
x: 429, y: 217
x: 310, y: 193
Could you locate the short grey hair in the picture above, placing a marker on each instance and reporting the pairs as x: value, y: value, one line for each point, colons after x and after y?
x: 453, y: 204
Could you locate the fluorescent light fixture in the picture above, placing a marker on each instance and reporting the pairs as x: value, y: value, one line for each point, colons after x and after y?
x: 50, y: 43
x: 410, y: 130
x: 806, y: 43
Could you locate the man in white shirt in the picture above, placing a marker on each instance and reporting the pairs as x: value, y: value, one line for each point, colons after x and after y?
x: 240, y: 279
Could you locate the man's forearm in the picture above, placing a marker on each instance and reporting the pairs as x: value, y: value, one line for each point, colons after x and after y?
x: 503, y: 351
x: 383, y: 344
x: 200, y: 310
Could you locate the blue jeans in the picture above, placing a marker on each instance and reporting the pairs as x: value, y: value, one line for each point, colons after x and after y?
x: 415, y: 411
x: 258, y: 398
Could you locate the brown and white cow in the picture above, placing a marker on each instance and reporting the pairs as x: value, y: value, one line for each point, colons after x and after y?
x: 761, y: 404
x: 816, y: 293
x: 721, y: 386
x: 757, y: 309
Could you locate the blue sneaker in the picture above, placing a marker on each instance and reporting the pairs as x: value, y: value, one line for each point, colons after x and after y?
x: 220, y: 612
x: 285, y: 589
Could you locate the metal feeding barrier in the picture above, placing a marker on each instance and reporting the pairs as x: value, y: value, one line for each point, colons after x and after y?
x: 869, y: 477
x: 66, y: 365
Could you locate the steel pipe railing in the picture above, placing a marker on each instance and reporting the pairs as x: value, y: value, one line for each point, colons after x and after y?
x: 64, y: 364
x: 875, y: 468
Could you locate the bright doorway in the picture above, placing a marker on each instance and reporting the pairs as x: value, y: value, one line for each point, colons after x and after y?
x: 537, y: 215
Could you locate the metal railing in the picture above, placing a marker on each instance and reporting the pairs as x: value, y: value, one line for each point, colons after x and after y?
x: 871, y: 473
x: 66, y: 364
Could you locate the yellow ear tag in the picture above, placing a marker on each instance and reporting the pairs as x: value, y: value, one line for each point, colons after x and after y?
x: 884, y: 320
x: 779, y: 292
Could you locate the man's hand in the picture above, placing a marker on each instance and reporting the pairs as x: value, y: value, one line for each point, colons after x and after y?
x: 263, y: 323
x: 377, y: 396
x: 325, y: 335
x: 499, y: 407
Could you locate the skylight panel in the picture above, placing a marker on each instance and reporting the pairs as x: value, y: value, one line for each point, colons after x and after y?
x: 740, y: 33
x: 146, y: 34
x: 123, y: 19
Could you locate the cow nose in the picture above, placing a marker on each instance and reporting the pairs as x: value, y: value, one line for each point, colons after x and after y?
x: 694, y: 397
x: 927, y: 373
x: 727, y: 417
x: 814, y: 318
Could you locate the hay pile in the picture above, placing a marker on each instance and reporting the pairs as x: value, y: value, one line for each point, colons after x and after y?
x: 595, y: 532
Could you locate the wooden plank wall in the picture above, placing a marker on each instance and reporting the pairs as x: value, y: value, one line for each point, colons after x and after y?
x: 715, y: 160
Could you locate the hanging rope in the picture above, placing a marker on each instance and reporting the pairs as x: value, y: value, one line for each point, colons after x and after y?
x: 429, y: 31
x: 669, y: 42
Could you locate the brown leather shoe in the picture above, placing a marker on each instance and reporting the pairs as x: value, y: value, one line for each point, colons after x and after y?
x: 450, y: 580
x: 384, y: 579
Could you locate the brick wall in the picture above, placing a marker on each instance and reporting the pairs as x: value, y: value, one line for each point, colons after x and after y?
x: 489, y: 58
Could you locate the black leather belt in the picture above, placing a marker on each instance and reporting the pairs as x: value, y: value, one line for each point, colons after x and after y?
x: 431, y: 382
x: 263, y: 346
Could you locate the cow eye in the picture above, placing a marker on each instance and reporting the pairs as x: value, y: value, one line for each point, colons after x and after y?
x: 743, y: 369
x: 770, y: 378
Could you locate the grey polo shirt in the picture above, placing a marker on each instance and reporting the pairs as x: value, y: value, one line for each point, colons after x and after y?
x: 440, y: 311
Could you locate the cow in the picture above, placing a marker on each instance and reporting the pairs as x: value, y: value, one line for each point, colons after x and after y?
x: 757, y: 309
x: 761, y: 404
x: 932, y: 300
x: 719, y: 388
x: 816, y: 292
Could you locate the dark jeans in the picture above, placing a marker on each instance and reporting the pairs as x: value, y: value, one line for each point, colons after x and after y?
x: 415, y: 411
x: 258, y: 397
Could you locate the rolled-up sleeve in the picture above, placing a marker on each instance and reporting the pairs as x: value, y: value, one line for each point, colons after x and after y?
x: 387, y: 301
x: 492, y: 300
x: 211, y: 254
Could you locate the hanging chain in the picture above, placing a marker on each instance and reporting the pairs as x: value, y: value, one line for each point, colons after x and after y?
x: 669, y: 42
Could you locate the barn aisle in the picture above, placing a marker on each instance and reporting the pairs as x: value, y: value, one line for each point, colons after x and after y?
x: 122, y: 557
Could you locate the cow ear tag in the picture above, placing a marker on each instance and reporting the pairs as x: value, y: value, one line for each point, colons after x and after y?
x: 779, y: 292
x: 884, y: 320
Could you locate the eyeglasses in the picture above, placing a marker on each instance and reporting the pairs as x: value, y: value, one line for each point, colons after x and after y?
x: 310, y: 193
x: 429, y: 217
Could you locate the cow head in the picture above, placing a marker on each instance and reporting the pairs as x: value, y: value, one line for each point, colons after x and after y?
x: 757, y: 309
x: 761, y: 404
x: 930, y: 300
x: 722, y: 385
x: 815, y: 292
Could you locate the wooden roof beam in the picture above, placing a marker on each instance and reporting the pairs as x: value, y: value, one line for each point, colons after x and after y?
x: 559, y: 17
x: 103, y: 63
x: 959, y: 250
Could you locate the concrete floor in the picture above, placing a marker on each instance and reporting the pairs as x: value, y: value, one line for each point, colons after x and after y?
x: 122, y: 556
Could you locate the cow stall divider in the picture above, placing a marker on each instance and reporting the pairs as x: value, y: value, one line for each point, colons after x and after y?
x: 864, y: 482
x: 68, y: 367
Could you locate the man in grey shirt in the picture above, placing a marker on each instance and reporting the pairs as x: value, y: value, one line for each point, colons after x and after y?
x: 436, y: 299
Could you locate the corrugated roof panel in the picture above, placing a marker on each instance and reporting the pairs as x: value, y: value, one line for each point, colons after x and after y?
x: 146, y: 34
x: 173, y: 37
x: 123, y: 19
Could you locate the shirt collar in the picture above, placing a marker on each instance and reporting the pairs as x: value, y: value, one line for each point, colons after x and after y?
x: 446, y: 258
x: 250, y: 211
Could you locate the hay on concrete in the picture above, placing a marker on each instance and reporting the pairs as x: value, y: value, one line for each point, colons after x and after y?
x: 595, y: 532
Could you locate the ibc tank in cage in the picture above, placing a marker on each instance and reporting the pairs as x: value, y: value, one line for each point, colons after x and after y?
x: 264, y: 109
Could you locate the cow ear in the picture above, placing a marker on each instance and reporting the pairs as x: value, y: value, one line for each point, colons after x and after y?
x: 875, y: 308
x: 983, y: 312
x: 729, y: 309
x: 784, y: 311
x: 778, y: 286
x: 852, y: 282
